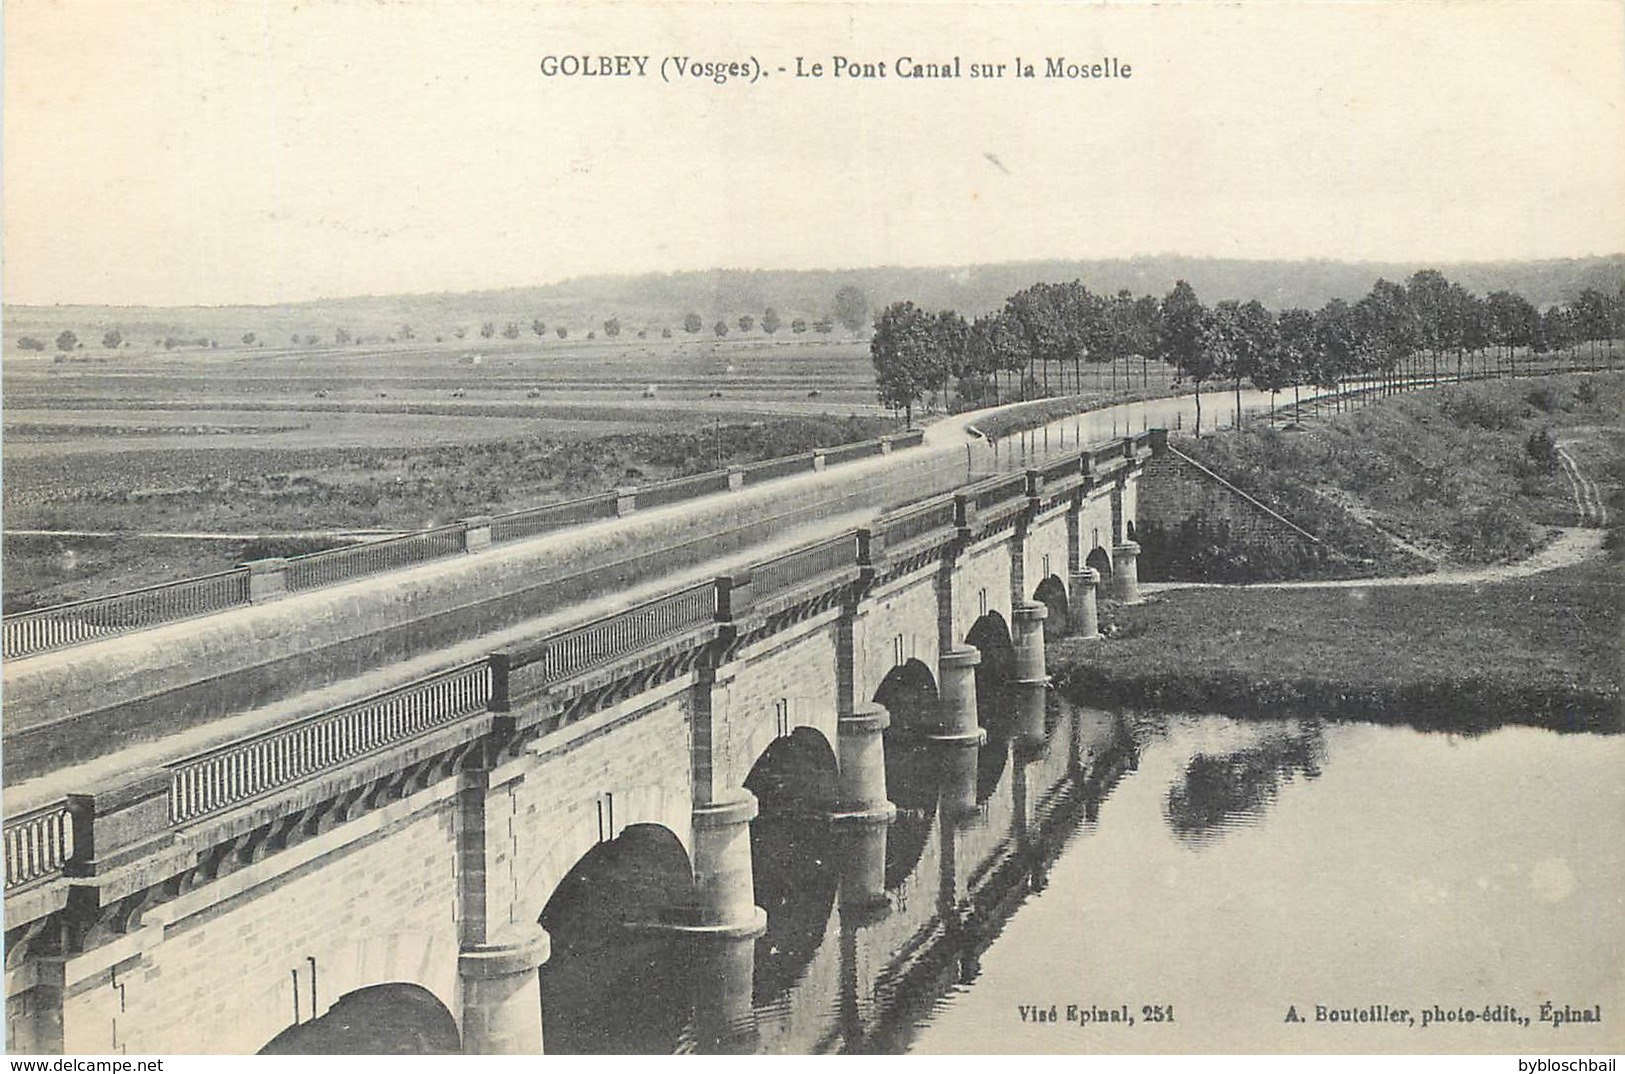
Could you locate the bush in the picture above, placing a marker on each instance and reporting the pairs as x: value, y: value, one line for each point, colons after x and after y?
x: 1542, y: 450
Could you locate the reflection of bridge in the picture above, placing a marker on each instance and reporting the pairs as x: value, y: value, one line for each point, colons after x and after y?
x: 220, y: 828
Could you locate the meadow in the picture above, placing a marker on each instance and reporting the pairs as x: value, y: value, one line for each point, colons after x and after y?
x: 303, y: 445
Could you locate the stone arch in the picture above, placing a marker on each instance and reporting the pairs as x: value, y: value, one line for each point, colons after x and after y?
x: 990, y: 635
x: 1100, y: 560
x: 396, y: 1018
x: 610, y: 985
x: 1051, y: 593
x: 793, y: 859
x: 796, y: 775
x: 909, y: 694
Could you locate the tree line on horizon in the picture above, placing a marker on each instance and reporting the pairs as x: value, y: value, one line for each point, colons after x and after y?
x: 1048, y: 330
x: 850, y: 309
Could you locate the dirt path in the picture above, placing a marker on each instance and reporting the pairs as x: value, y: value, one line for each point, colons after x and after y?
x: 1573, y: 545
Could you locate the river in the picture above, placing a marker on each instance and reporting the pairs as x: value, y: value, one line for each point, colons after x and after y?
x: 1230, y: 886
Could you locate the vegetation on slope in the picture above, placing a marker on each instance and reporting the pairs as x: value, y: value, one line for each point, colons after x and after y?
x: 1463, y: 473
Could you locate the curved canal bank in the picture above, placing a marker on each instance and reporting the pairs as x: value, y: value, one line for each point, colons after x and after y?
x: 1542, y: 649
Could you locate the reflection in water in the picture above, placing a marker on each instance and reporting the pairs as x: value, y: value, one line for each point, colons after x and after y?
x: 1101, y: 856
x: 1220, y: 791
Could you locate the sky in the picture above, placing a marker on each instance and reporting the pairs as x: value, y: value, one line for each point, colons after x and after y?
x: 163, y: 152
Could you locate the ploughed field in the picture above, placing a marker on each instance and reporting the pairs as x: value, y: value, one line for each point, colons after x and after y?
x: 315, y: 442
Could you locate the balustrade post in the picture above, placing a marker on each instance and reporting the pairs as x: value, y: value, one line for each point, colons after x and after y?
x: 736, y: 478
x: 476, y: 532
x: 820, y: 459
x: 267, y: 579
x: 626, y: 501
x: 1125, y: 572
x: 1081, y: 605
x: 1032, y: 678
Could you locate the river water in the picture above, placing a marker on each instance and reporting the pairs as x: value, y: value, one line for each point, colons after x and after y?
x: 1182, y: 883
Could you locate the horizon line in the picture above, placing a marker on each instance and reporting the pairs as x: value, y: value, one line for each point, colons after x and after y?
x: 892, y: 266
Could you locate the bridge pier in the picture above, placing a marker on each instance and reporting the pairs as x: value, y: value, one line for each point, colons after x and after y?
x: 1032, y: 679
x: 1126, y: 572
x: 956, y: 693
x: 724, y: 888
x: 1081, y: 603
x: 501, y: 994
x: 862, y: 755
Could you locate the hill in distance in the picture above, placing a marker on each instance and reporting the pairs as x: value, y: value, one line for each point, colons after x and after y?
x: 656, y: 301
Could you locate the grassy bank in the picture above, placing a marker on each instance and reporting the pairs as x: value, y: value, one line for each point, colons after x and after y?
x: 1545, y: 650
x: 1462, y: 473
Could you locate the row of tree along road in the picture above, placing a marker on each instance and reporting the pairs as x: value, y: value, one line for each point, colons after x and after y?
x: 1397, y: 332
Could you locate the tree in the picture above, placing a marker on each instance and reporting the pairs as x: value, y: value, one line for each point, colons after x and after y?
x: 1255, y: 351
x: 692, y: 322
x: 248, y: 339
x: 539, y: 326
x: 29, y: 343
x: 1182, y: 326
x: 824, y: 326
x: 487, y: 330
x: 112, y: 339
x: 851, y: 308
x: 720, y: 328
x: 406, y: 332
x: 510, y: 330
x: 67, y: 340
x: 562, y: 332
x: 1591, y: 315
x: 310, y: 340
x: 612, y: 327
x: 903, y: 349
x: 1296, y: 349
x: 798, y: 326
x: 770, y: 320
x: 665, y: 333
x: 746, y: 323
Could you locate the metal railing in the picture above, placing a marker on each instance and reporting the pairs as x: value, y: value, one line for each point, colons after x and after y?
x: 342, y: 564
x: 38, y: 843
x: 680, y: 489
x: 901, y: 527
x: 1000, y: 489
x: 585, y: 647
x: 518, y: 524
x: 788, y: 466
x: 44, y: 629
x: 240, y: 771
x: 804, y: 564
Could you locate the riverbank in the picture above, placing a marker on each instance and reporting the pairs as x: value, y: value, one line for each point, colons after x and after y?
x: 1545, y: 649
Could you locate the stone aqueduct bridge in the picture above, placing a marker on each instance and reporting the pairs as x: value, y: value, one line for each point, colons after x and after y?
x: 218, y: 828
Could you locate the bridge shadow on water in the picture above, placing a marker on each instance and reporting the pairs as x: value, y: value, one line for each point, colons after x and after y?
x: 869, y: 925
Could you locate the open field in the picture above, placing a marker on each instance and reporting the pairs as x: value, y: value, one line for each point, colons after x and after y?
x: 257, y: 440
